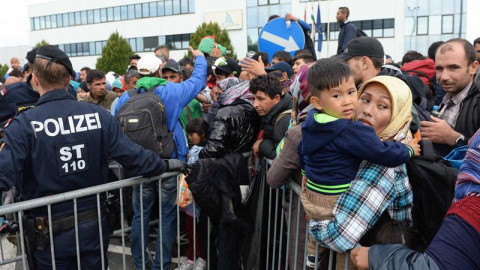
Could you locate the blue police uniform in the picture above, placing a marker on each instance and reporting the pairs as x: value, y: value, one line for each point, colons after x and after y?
x: 20, y: 96
x: 63, y: 145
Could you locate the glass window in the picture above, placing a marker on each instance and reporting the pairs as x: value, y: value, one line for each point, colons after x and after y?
x: 133, y: 44
x: 116, y: 13
x: 92, y: 48
x: 78, y: 20
x: 42, y: 22
x: 377, y: 33
x: 185, y: 41
x: 124, y: 12
x: 367, y: 25
x: 110, y: 14
x: 435, y: 25
x: 98, y: 47
x: 79, y: 49
x: 176, y: 6
x: 184, y: 5
x: 138, y: 11
x: 251, y: 3
x: 103, y: 15
x: 448, y: 6
x: 65, y: 19
x: 90, y: 16
x: 146, y: 10
x: 161, y: 39
x: 389, y: 23
x: 48, y: 22
x: 252, y: 39
x: 178, y: 41
x: 53, y: 19
x: 131, y: 12
x: 447, y: 24
x: 377, y: 24
x: 86, y: 48
x: 66, y: 49
x: 73, y: 49
x: 140, y: 44
x: 32, y: 25
x: 262, y: 2
x: 274, y: 2
x: 83, y: 16
x: 61, y: 47
x: 149, y: 43
x: 168, y: 7
x: 37, y: 23
x: 161, y: 8
x: 104, y: 43
x: 389, y: 32
x: 252, y: 18
x: 153, y: 9
x: 71, y: 18
x: 96, y: 15
x: 169, y: 42
x: 422, y: 25
x: 191, y: 6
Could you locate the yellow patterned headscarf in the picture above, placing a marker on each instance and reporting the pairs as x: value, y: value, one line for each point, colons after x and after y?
x: 398, y: 128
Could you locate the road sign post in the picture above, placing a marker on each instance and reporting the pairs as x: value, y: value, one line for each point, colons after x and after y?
x: 275, y: 36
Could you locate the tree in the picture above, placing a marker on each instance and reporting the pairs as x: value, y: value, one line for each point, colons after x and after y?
x: 41, y: 43
x: 115, y: 55
x: 212, y: 29
x: 3, y: 69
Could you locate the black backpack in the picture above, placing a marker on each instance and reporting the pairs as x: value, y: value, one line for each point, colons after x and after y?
x: 433, y: 185
x: 144, y: 120
x: 360, y: 33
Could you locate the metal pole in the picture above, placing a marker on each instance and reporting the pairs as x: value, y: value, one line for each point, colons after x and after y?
x: 52, y: 248
x: 160, y: 221
x: 122, y: 221
x: 142, y: 231
x: 289, y: 226
x: 77, y: 241
x: 22, y: 239
x: 100, y: 231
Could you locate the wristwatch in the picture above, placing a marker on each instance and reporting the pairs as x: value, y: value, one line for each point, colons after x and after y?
x: 460, y: 140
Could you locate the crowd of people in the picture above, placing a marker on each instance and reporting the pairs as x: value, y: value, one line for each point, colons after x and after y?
x: 349, y: 129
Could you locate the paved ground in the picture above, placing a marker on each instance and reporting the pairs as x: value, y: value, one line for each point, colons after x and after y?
x: 115, y: 258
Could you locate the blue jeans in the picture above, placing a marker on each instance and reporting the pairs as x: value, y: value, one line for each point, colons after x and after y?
x: 169, y: 221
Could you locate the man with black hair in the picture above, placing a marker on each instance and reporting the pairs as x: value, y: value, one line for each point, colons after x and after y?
x: 134, y: 60
x: 186, y: 63
x: 300, y: 60
x: 99, y: 94
x: 225, y: 67
x: 456, y: 65
x: 439, y: 92
x: 163, y: 51
x: 348, y: 31
x: 265, y: 59
x: 131, y: 78
x: 282, y: 56
x: 83, y: 73
x: 274, y: 108
x: 476, y: 44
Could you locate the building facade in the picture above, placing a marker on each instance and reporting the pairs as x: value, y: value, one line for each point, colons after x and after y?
x: 81, y: 28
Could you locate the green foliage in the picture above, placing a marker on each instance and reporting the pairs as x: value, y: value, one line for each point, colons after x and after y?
x: 3, y: 69
x: 41, y: 43
x: 212, y: 29
x: 115, y: 55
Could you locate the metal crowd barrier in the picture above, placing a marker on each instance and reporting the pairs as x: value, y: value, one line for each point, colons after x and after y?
x: 294, y: 189
x: 279, y: 224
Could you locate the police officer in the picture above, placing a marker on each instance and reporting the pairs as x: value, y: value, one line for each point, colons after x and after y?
x: 21, y: 95
x: 63, y: 145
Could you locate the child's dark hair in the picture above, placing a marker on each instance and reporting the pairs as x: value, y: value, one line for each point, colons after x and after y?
x: 269, y: 84
x: 327, y: 73
x: 197, y: 125
x: 283, y: 56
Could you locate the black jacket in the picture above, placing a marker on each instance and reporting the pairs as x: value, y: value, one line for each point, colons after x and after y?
x: 468, y: 121
x: 234, y: 129
x: 216, y: 189
x: 348, y: 31
x: 271, y: 136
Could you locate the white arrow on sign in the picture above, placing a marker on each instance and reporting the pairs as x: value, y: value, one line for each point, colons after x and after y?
x: 290, y: 45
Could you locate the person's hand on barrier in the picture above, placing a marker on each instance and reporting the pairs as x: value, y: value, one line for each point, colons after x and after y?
x: 359, y: 257
x: 439, y: 131
x: 304, y: 181
x: 175, y: 165
x: 256, y: 147
x: 415, y: 146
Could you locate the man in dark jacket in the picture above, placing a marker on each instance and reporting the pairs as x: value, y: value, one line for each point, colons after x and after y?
x: 275, y: 112
x: 456, y: 65
x: 348, y: 31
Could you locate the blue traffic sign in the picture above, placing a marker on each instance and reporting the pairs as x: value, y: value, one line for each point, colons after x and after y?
x: 275, y: 36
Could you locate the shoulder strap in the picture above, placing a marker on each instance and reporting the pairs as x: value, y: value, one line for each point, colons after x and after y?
x: 282, y: 115
x: 132, y: 92
x: 428, y: 153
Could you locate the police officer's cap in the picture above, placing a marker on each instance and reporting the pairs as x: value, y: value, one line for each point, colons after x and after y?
x: 31, y: 55
x: 54, y: 54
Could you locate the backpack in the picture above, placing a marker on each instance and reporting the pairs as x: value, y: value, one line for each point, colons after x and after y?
x: 432, y: 82
x: 433, y: 185
x: 144, y: 120
x: 360, y: 33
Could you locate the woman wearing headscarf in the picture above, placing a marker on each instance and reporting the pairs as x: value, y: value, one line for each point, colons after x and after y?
x: 457, y: 243
x: 385, y: 104
x: 286, y: 164
x: 236, y: 124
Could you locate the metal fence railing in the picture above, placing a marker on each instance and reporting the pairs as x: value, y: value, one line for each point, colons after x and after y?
x: 283, y: 245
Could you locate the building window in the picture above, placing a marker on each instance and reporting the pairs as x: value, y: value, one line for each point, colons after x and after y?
x: 153, y: 9
x: 184, y: 6
x: 161, y: 8
x: 110, y: 14
x: 131, y: 12
x: 90, y: 16
x: 103, y: 15
x: 37, y: 23
x: 138, y: 11
x: 98, y: 47
x: 124, y: 12
x: 32, y: 25
x: 133, y: 44
x: 168, y: 7
x: 48, y: 22
x: 42, y: 22
x: 53, y: 19
x: 84, y: 18
x: 92, y: 48
x: 191, y: 6
x: 149, y: 43
x: 116, y: 14
x: 78, y: 20
x: 422, y: 25
x: 447, y: 24
x: 176, y: 7
x: 140, y: 44
x: 96, y: 15
x: 65, y: 20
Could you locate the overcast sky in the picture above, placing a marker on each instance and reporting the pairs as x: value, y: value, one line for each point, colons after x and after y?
x: 15, y: 23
